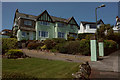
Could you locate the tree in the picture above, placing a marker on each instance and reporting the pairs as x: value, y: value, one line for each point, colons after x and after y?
x: 105, y: 31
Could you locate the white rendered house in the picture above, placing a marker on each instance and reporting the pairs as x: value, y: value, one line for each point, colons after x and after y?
x: 89, y: 27
x: 116, y: 28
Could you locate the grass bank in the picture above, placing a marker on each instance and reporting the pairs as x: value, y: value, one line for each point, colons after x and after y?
x: 38, y: 68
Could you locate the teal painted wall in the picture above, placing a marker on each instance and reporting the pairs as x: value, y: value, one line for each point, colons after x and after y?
x: 53, y: 30
x: 28, y: 35
x: 50, y: 29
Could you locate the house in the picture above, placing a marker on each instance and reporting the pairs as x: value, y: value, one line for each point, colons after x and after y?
x: 6, y: 33
x: 89, y: 27
x: 116, y: 28
x: 30, y: 27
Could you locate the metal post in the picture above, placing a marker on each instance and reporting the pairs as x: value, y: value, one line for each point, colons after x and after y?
x: 96, y: 24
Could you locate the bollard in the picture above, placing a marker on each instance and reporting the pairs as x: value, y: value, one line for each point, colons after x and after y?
x: 101, y: 48
x: 93, y: 47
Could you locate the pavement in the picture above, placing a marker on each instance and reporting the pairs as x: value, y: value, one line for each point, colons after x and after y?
x: 106, y: 67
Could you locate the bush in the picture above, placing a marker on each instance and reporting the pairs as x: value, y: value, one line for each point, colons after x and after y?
x: 74, y: 47
x: 88, y: 37
x: 53, y: 50
x: 61, y: 48
x: 49, y: 43
x: 33, y: 45
x: 8, y: 43
x: 58, y: 40
x: 71, y: 38
x: 43, y: 47
x: 85, y: 36
x: 109, y: 46
x: 14, y: 53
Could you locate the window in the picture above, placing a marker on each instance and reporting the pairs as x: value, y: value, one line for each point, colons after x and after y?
x: 44, y: 23
x: 27, y: 22
x: 93, y: 26
x: 60, y: 24
x: 61, y: 35
x: 43, y: 34
x: 23, y: 34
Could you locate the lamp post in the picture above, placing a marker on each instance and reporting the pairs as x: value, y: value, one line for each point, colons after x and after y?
x: 96, y: 19
x: 93, y: 42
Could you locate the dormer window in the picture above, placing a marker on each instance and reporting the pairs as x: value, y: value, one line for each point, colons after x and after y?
x: 27, y: 22
x: 60, y: 24
x: 44, y: 23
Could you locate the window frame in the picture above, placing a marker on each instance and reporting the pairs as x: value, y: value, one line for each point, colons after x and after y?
x: 61, y: 35
x: 44, y: 34
x: 45, y: 23
x: 61, y: 24
x: 28, y: 23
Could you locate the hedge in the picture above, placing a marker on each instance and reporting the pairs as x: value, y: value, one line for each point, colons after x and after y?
x: 109, y: 46
x: 8, y: 43
x: 74, y: 47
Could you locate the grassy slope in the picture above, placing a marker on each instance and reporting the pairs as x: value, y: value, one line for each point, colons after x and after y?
x: 40, y: 68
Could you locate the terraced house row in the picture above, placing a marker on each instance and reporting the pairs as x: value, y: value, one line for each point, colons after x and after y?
x: 29, y: 27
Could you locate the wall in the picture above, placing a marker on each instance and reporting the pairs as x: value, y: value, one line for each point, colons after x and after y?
x: 49, y: 29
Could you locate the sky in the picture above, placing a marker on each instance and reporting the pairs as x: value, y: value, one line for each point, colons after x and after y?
x: 81, y: 11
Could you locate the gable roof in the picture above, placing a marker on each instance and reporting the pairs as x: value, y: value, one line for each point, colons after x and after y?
x: 58, y: 19
x: 22, y: 15
x: 98, y: 22
x: 53, y: 18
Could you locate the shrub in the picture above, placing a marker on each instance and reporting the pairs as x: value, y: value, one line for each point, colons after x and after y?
x: 8, y: 43
x: 59, y: 40
x: 74, y: 47
x: 43, y: 47
x: 33, y: 45
x: 49, y: 43
x: 61, y: 48
x: 109, y: 46
x: 14, y: 53
x: 88, y: 37
x: 71, y: 38
x: 85, y: 47
x: 53, y: 50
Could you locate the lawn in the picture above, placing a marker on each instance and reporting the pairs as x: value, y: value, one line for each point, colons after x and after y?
x: 39, y: 68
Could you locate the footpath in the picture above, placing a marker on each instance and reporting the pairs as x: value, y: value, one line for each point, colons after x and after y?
x: 107, y: 67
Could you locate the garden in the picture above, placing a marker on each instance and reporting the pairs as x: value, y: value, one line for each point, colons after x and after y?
x: 14, y: 58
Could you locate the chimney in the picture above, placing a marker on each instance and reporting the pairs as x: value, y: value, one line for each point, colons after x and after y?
x: 17, y: 10
x: 117, y: 18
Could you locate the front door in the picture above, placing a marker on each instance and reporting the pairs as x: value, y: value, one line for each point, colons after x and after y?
x: 31, y: 36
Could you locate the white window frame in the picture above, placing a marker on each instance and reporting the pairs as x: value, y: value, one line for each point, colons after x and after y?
x: 44, y: 23
x: 60, y: 35
x: 28, y: 22
x: 40, y: 34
